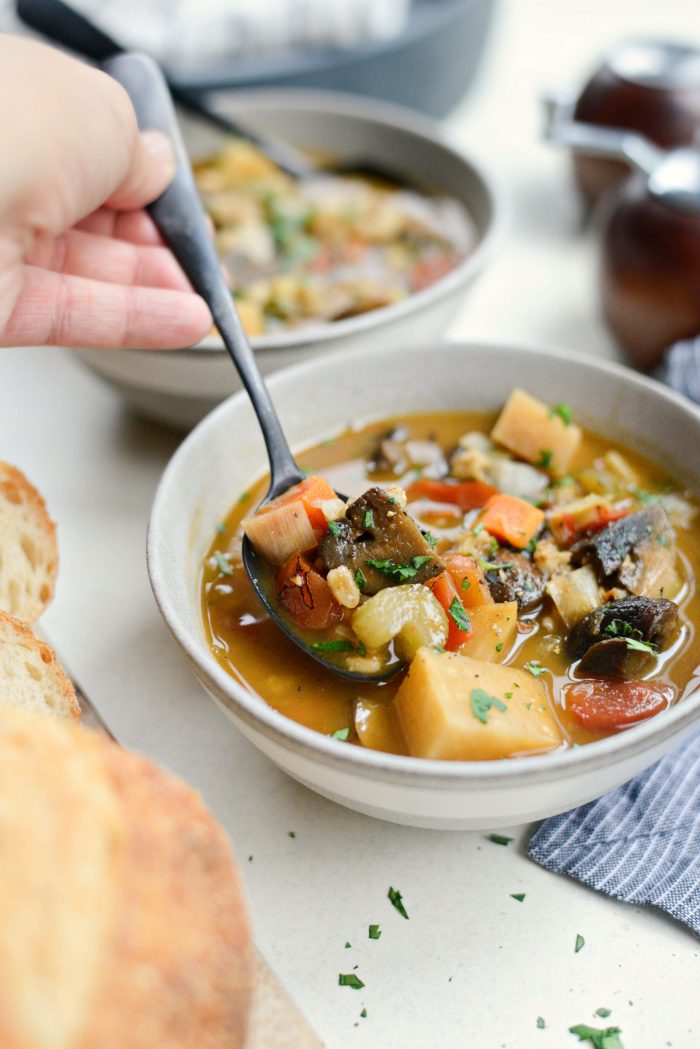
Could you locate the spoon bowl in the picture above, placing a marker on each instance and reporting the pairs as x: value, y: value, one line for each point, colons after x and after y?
x: 179, y: 216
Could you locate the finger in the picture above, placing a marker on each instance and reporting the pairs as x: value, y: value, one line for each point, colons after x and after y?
x: 59, y: 310
x: 102, y: 258
x: 151, y: 167
x: 134, y: 226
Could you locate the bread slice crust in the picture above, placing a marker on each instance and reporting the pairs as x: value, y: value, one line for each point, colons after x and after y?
x: 30, y: 673
x: 28, y: 547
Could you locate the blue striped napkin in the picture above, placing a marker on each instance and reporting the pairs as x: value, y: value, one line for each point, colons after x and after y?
x: 641, y: 843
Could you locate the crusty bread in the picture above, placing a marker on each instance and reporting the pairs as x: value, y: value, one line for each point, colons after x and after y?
x: 122, y: 923
x: 30, y: 674
x: 28, y: 549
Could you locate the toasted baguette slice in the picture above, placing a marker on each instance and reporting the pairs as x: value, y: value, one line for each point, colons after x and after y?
x: 28, y: 549
x: 122, y: 920
x: 30, y: 674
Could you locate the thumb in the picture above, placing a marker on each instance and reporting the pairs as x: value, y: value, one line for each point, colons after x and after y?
x: 150, y: 171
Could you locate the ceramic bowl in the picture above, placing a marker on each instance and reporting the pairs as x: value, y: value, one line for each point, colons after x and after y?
x: 179, y: 387
x: 225, y: 452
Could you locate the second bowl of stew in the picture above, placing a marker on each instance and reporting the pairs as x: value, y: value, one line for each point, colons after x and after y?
x: 518, y: 553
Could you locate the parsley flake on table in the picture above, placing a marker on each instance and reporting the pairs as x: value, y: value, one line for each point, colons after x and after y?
x: 334, y: 528
x: 499, y: 839
x: 580, y: 942
x: 564, y: 412
x: 341, y: 734
x: 363, y: 1014
x: 540, y: 1023
x: 291, y: 833
x: 397, y: 901
x: 374, y: 932
x: 603, y: 1013
x: 222, y: 563
x: 481, y: 703
x: 600, y: 1038
x: 350, y: 980
x: 535, y: 669
x: 519, y: 896
x: 459, y: 616
x: 348, y: 944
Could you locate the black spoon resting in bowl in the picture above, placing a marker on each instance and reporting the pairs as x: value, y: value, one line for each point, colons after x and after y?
x: 179, y: 216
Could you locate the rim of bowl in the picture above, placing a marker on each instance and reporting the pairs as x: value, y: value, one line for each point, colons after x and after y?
x: 398, y: 767
x: 384, y: 113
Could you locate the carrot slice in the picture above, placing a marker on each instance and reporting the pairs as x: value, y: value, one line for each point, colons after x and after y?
x: 607, y: 704
x: 468, y: 495
x: 511, y: 520
x: 306, y: 596
x: 445, y: 591
x: 469, y: 580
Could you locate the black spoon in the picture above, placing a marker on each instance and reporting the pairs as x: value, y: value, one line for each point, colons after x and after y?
x: 66, y: 26
x: 179, y: 216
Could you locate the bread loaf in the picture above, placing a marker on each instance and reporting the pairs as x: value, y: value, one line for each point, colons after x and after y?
x: 30, y: 674
x: 122, y: 923
x: 28, y: 549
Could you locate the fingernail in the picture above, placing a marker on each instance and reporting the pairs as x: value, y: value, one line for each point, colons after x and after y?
x: 160, y: 150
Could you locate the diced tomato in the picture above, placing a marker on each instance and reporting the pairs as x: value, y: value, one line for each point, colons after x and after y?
x: 605, y: 515
x: 469, y: 580
x: 511, y: 520
x: 430, y: 270
x: 306, y: 596
x: 445, y: 591
x: 468, y: 495
x: 607, y: 704
x: 311, y: 491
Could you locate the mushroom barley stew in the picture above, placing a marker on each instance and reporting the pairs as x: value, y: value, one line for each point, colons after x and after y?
x: 538, y: 581
x: 327, y: 248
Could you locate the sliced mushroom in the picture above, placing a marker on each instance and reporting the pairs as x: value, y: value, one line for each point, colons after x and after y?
x: 637, y: 550
x: 377, y: 529
x: 613, y: 658
x: 390, y: 453
x: 651, y: 620
x: 518, y: 580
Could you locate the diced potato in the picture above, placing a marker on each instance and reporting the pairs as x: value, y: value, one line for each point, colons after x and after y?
x: 409, y: 615
x: 281, y: 532
x: 575, y: 594
x: 436, y: 706
x: 495, y: 627
x: 529, y: 429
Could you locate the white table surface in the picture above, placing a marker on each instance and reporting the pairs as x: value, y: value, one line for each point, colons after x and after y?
x: 472, y: 967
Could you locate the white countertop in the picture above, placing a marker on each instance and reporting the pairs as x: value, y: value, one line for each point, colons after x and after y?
x: 472, y: 966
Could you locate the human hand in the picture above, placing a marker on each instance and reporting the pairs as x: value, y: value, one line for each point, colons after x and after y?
x: 81, y: 263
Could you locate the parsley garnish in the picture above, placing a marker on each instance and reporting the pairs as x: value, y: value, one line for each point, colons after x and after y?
x: 545, y: 459
x: 374, y: 932
x: 496, y: 566
x: 400, y: 572
x: 348, y: 944
x: 222, y: 563
x: 499, y: 648
x: 649, y: 498
x: 535, y: 669
x: 619, y: 628
x: 579, y: 942
x: 397, y: 901
x: 429, y: 538
x: 333, y: 646
x: 363, y: 1014
x: 499, y: 839
x: 532, y: 546
x: 465, y: 584
x: 360, y: 579
x: 563, y: 411
x: 600, y: 1038
x: 221, y: 528
x: 481, y: 702
x: 341, y: 734
x: 459, y: 616
x: 334, y: 528
x: 519, y: 896
x: 368, y: 519
x: 640, y: 646
x: 477, y: 529
x: 350, y: 980
x: 244, y: 497
x: 540, y: 1023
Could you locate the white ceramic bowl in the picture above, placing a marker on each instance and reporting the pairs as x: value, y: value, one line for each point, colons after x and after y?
x: 179, y: 387
x: 221, y: 456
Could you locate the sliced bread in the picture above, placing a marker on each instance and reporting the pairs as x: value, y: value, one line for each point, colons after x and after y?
x: 28, y: 548
x: 30, y: 674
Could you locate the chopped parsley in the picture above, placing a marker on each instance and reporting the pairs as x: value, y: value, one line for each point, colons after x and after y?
x: 465, y: 584
x: 604, y: 1013
x: 368, y: 519
x: 341, y: 734
x: 347, y: 944
x: 244, y: 497
x: 535, y: 669
x: 334, y: 528
x: 459, y: 616
x: 397, y: 901
x: 478, y: 529
x: 363, y: 1014
x: 648, y: 498
x: 640, y: 646
x: 580, y: 942
x: 360, y: 579
x: 600, y: 1038
x: 506, y: 695
x: 350, y: 980
x: 399, y: 572
x: 291, y: 833
x: 333, y: 646
x: 481, y: 702
x: 532, y: 546
x: 620, y: 628
x: 540, y: 1023
x: 222, y: 563
x: 499, y: 839
x: 429, y: 538
x: 499, y: 648
x: 545, y: 459
x: 564, y: 412
x: 221, y: 528
x: 374, y: 932
x: 496, y: 566
x: 390, y: 499
x: 519, y: 896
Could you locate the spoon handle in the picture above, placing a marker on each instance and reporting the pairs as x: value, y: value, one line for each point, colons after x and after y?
x: 179, y: 216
